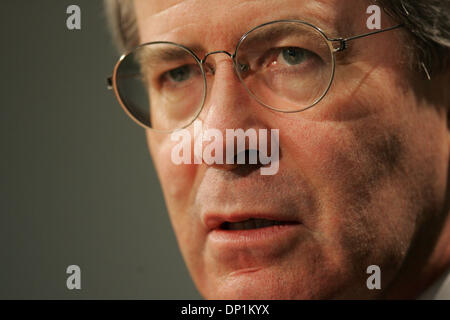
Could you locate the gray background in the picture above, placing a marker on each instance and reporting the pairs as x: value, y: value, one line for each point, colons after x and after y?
x: 77, y: 183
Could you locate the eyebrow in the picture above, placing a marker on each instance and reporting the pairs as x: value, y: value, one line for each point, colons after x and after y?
x: 273, y: 33
x: 167, y: 53
x: 321, y: 22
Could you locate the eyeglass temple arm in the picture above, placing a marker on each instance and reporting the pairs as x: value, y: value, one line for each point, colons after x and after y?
x: 343, y: 41
x: 109, y: 83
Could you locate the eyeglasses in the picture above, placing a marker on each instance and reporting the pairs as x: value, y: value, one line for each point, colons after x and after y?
x: 286, y: 65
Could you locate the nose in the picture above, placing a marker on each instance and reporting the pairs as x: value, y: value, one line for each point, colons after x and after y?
x: 228, y: 108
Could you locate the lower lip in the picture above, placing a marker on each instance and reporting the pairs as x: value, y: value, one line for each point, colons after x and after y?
x: 271, y: 236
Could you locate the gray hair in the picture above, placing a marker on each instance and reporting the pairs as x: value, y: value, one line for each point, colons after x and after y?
x: 427, y: 21
x: 122, y: 23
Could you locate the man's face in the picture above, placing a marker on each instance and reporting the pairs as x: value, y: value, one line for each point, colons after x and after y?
x: 358, y: 173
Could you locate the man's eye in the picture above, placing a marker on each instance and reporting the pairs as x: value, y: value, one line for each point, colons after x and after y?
x: 179, y: 74
x: 294, y: 55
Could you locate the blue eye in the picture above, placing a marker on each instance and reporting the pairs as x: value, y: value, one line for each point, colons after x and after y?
x: 180, y: 74
x: 294, y: 55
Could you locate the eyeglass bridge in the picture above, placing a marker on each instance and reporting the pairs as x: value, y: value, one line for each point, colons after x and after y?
x: 242, y: 67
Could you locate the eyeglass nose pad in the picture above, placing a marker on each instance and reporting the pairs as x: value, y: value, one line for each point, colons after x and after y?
x: 242, y: 67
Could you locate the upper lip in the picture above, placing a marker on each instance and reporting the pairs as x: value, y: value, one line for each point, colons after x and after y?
x: 214, y: 220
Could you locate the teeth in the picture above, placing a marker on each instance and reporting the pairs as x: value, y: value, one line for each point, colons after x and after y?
x: 251, y: 224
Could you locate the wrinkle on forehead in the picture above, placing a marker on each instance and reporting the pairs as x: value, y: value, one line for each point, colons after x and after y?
x: 157, y: 7
x: 159, y: 19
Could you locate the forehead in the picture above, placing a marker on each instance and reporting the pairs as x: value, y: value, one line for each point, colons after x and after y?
x: 210, y: 20
x: 156, y: 6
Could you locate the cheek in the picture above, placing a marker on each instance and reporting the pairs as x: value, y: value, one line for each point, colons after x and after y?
x: 353, y: 143
x: 176, y: 180
x: 357, y: 169
x: 345, y: 162
x: 178, y: 184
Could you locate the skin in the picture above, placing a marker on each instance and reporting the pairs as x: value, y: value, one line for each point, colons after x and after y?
x: 365, y: 170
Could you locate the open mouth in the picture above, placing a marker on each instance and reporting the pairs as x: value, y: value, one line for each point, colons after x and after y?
x: 253, y: 224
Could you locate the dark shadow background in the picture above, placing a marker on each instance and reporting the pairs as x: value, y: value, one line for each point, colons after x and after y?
x: 77, y: 183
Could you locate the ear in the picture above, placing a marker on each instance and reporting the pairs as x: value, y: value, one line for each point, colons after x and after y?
x: 446, y: 99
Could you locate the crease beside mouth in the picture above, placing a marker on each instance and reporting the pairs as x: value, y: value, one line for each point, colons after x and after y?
x: 253, y: 224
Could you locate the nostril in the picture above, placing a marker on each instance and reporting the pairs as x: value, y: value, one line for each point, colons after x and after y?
x: 248, y: 156
x: 250, y: 164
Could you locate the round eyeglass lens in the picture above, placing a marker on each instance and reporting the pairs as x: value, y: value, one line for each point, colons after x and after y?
x: 287, y: 66
x: 161, y: 85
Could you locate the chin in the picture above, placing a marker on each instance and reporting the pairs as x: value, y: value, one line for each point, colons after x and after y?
x: 263, y: 285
